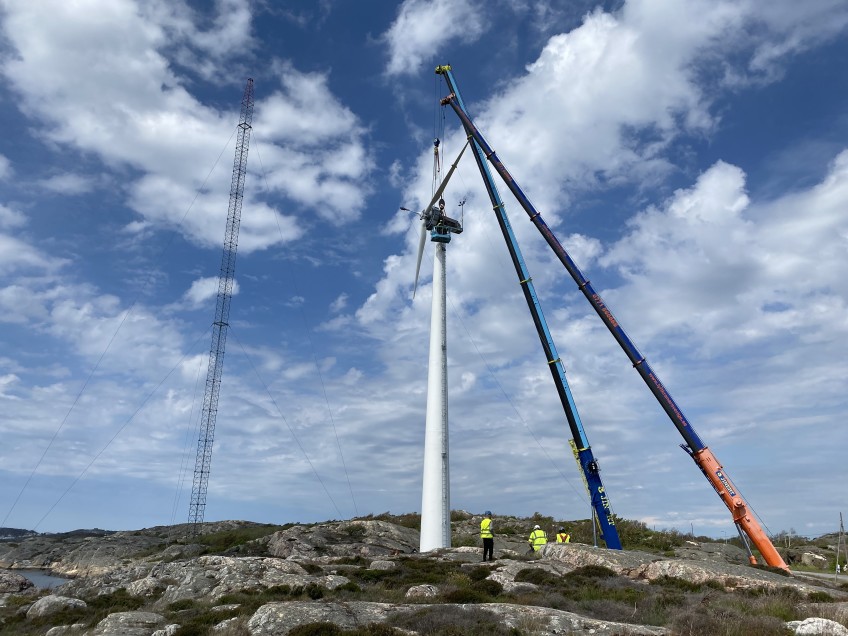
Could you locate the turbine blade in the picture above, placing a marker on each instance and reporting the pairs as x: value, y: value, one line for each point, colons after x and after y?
x: 444, y: 182
x: 421, y: 242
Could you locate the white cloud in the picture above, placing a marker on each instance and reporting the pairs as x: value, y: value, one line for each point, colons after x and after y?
x: 319, y: 158
x: 792, y: 28
x: 68, y: 184
x: 295, y: 301
x: 7, y: 381
x: 746, y: 271
x: 131, y: 109
x: 339, y: 303
x: 423, y: 26
x: 204, y: 289
x: 5, y: 167
x: 17, y: 255
x: 10, y: 218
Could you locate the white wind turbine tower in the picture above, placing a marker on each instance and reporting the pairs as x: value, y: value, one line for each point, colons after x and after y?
x: 435, y: 495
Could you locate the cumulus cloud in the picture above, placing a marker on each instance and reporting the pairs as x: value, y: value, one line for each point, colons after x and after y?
x: 132, y: 109
x: 10, y: 218
x: 319, y: 158
x: 204, y: 289
x: 422, y: 26
x: 5, y: 167
x: 741, y: 268
x: 68, y: 184
x: 17, y: 255
x: 339, y: 303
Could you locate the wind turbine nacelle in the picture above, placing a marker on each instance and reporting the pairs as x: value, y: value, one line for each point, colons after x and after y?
x: 441, y: 227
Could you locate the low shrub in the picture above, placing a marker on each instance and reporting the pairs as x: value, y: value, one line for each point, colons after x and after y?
x: 452, y: 621
x: 536, y: 576
x: 464, y: 595
x: 592, y: 572
x: 675, y: 583
x: 217, y: 542
x: 479, y: 573
x: 183, y: 604
x: 489, y: 587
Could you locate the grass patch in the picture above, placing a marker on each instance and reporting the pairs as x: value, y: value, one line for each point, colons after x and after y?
x: 217, y: 542
x: 453, y: 621
x: 409, y: 520
x: 331, y: 629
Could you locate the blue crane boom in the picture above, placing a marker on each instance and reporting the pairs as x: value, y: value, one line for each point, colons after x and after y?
x: 215, y: 370
x: 599, y: 498
x: 694, y: 446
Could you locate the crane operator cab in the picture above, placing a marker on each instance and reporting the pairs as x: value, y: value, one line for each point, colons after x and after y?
x: 441, y: 226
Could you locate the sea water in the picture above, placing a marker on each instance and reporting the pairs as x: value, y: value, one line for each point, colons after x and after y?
x: 42, y: 579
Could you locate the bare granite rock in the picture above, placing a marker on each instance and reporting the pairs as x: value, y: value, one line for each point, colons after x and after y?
x: 52, y: 604
x: 66, y: 630
x: 422, y: 591
x: 279, y: 618
x: 211, y: 577
x: 641, y: 565
x: 97, y: 552
x: 129, y: 624
x: 817, y: 627
x: 11, y: 582
x: 363, y: 537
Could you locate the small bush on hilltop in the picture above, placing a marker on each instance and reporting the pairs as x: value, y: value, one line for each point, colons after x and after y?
x: 409, y: 520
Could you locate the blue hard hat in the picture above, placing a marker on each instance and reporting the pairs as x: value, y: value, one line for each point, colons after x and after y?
x: 488, y: 512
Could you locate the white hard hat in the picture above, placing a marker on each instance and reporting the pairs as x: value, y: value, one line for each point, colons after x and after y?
x: 536, y: 528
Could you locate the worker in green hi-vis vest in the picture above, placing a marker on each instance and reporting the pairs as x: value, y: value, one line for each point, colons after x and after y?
x: 487, y: 533
x: 538, y: 538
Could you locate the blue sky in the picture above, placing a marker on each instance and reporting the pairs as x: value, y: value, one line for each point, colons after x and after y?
x: 692, y: 157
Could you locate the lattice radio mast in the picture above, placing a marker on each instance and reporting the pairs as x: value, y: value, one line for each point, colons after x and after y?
x: 222, y: 314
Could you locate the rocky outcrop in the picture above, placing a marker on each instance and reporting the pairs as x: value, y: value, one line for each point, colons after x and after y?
x: 12, y: 583
x: 129, y: 624
x: 278, y: 618
x: 817, y: 627
x: 650, y: 567
x: 67, y: 630
x: 149, y: 566
x: 366, y: 538
x: 97, y: 552
x: 52, y: 604
x: 203, y: 578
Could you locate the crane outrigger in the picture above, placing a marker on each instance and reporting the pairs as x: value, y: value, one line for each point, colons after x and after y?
x: 746, y: 524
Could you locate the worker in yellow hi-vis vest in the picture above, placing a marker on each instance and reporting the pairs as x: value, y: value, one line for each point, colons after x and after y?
x: 538, y: 538
x: 563, y: 536
x: 487, y: 533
